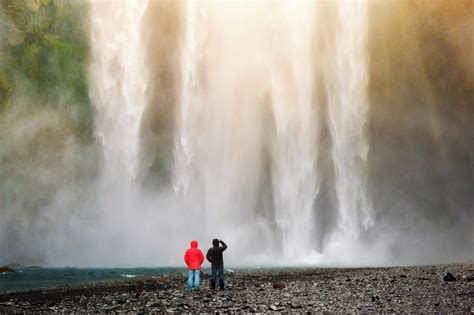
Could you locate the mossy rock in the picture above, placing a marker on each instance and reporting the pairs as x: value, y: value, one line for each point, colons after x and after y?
x: 6, y: 269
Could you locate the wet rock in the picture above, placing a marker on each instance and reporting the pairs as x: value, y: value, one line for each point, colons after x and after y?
x: 143, y: 298
x: 305, y: 290
x: 295, y: 305
x: 449, y: 277
x: 275, y: 308
x: 6, y: 269
x: 263, y: 307
x: 153, y: 304
x: 470, y: 277
x: 278, y: 285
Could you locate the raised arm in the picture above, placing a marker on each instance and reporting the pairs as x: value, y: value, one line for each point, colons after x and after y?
x: 224, y: 246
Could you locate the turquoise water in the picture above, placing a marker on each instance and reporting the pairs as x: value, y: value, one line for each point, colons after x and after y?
x: 30, y: 278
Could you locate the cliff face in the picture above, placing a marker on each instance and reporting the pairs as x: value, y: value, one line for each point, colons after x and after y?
x: 44, y: 57
x: 422, y: 120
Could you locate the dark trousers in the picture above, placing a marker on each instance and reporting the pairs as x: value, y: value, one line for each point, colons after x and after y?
x: 215, y: 270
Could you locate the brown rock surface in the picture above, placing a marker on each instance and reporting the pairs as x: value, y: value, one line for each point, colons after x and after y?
x: 6, y: 269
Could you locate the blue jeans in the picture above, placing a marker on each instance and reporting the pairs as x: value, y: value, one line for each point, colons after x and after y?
x: 196, y: 274
x: 215, y: 270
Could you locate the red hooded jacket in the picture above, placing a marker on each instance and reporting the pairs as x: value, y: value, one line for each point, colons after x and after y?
x: 194, y: 257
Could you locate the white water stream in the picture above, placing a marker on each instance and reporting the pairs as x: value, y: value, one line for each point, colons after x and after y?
x: 247, y: 89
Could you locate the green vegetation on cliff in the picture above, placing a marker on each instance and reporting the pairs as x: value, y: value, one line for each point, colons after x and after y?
x: 43, y: 57
x: 47, y: 153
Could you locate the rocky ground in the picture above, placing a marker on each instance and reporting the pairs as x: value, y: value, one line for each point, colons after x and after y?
x: 397, y: 289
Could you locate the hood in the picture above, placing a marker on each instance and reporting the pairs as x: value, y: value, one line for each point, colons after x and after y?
x: 194, y: 244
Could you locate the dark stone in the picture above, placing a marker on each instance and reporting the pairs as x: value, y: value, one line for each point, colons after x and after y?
x: 470, y: 277
x: 278, y: 285
x: 6, y: 269
x: 308, y: 290
x: 275, y: 308
x: 143, y: 298
x: 295, y: 305
x: 449, y: 277
x: 403, y: 276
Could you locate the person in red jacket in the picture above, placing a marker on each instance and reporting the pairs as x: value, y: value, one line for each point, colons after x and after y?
x: 194, y: 259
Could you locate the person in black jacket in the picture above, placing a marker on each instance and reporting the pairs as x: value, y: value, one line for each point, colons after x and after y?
x: 214, y: 256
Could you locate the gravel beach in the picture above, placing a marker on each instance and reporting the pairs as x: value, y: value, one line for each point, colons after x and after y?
x: 395, y: 289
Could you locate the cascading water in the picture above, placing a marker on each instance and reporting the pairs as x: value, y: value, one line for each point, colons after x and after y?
x: 247, y: 84
x: 295, y: 149
x: 191, y: 101
x: 119, y: 81
x: 213, y: 119
x: 346, y: 83
x: 217, y: 152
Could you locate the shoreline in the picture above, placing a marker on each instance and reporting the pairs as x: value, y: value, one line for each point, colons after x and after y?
x: 361, y: 289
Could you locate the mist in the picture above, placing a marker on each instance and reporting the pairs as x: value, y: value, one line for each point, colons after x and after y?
x: 302, y: 133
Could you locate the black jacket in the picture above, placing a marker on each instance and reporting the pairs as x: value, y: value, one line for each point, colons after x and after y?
x: 214, y: 255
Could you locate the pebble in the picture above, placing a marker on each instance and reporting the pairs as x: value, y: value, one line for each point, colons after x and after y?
x: 302, y: 290
x: 449, y: 277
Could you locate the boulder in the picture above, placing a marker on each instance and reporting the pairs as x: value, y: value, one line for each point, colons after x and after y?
x: 6, y: 269
x: 143, y: 298
x: 449, y: 277
x: 278, y: 285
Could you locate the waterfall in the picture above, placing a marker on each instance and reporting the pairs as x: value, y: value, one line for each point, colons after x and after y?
x: 246, y: 115
x: 191, y: 97
x: 300, y: 132
x: 217, y: 145
x: 119, y: 82
x: 295, y: 150
x: 346, y: 76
